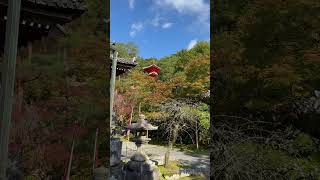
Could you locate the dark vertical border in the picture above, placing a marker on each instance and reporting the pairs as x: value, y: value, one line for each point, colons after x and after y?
x: 108, y: 69
x: 212, y: 35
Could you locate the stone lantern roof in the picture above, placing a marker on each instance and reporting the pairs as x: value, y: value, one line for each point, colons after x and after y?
x: 142, y: 125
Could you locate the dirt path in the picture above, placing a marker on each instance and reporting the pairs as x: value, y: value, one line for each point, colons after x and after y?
x: 157, y: 152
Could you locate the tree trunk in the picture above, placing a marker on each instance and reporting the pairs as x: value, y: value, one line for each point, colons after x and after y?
x: 167, y: 155
x: 197, y: 134
x: 129, y: 123
x: 67, y: 176
x: 95, y: 150
x: 170, y: 145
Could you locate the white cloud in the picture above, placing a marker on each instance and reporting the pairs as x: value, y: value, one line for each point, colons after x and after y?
x: 131, y: 4
x: 160, y: 21
x: 166, y: 25
x: 183, y: 6
x: 192, y: 43
x: 135, y: 28
x: 197, y: 8
x: 156, y: 21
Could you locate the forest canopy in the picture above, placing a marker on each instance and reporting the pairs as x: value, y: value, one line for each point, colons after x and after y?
x: 184, y: 78
x: 266, y: 79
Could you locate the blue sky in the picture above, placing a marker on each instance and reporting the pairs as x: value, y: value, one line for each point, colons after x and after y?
x: 160, y: 27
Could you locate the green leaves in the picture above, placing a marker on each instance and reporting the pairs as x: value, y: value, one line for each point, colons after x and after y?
x: 266, y: 55
x: 127, y: 50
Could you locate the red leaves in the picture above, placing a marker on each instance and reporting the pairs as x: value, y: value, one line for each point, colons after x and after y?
x: 121, y: 106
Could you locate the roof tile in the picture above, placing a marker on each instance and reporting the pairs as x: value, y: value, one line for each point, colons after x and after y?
x: 66, y: 4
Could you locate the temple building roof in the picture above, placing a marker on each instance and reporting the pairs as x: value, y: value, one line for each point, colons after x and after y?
x: 66, y: 4
x: 128, y: 61
x: 123, y: 64
x: 38, y: 17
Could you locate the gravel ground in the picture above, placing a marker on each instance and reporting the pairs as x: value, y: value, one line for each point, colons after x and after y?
x: 157, y: 152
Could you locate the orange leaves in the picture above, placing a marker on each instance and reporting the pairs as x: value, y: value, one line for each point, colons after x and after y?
x: 197, y: 73
x: 137, y: 88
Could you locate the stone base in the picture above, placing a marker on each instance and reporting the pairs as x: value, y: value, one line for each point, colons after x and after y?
x: 115, y: 148
x: 140, y: 168
x: 130, y: 175
x: 116, y: 172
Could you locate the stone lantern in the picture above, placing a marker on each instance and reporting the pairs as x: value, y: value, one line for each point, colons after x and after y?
x: 140, y: 167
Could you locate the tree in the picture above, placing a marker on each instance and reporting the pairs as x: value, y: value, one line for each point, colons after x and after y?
x: 177, y: 117
x: 127, y: 50
x: 197, y: 73
x: 138, y: 88
x: 202, y: 114
x: 266, y: 53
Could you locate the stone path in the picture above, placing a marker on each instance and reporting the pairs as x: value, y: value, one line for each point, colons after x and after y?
x: 157, y: 152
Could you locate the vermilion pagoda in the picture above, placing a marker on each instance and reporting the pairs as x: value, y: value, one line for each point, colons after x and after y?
x: 152, y: 70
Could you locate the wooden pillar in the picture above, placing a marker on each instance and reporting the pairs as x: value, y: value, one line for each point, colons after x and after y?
x: 8, y: 80
x: 112, y: 84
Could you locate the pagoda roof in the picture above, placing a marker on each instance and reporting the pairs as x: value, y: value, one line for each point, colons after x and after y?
x: 152, y: 70
x: 152, y: 66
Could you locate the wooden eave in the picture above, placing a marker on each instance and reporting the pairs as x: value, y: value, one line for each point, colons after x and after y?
x: 44, y: 14
x: 38, y: 18
x: 124, y: 66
